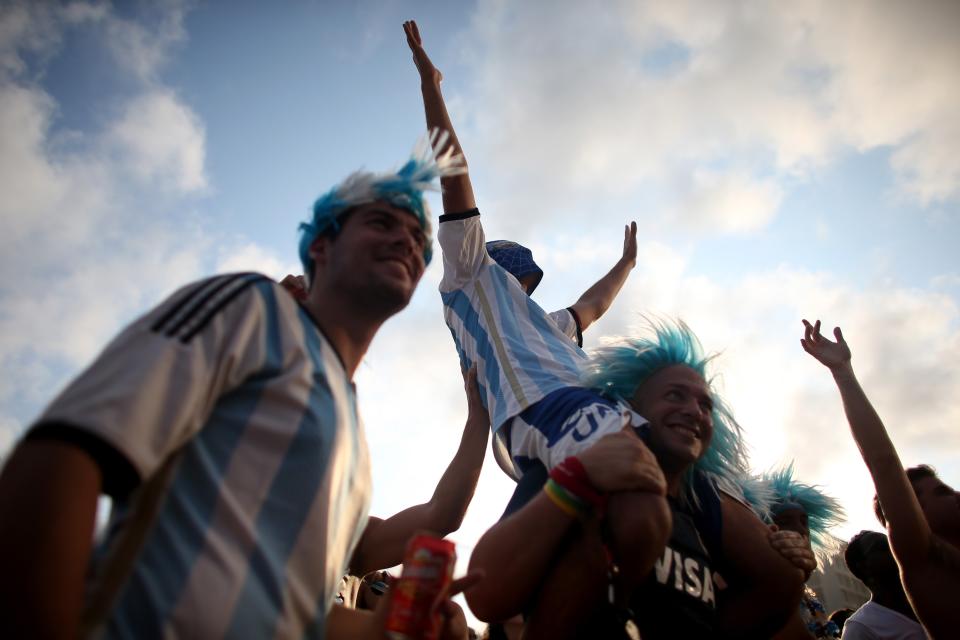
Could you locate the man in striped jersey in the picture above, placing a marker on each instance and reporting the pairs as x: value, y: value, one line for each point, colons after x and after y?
x: 529, y: 367
x: 224, y: 425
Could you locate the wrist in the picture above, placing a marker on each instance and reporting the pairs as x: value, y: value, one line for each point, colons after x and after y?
x: 843, y: 372
x: 571, y: 476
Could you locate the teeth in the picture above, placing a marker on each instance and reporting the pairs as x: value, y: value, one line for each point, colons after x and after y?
x: 691, y: 430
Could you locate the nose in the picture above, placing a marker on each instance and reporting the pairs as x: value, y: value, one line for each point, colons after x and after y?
x: 405, y: 241
x: 693, y: 408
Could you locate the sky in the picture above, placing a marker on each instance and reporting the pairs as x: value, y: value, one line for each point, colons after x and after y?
x: 782, y: 161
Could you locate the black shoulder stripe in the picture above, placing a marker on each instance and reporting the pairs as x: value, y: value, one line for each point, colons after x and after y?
x: 190, y: 296
x: 212, y: 307
x: 193, y: 303
x: 451, y: 217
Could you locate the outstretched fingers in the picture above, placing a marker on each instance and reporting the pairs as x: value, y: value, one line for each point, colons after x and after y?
x: 413, y: 34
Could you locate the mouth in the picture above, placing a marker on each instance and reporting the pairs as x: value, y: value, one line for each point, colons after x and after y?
x: 688, y: 429
x: 403, y: 263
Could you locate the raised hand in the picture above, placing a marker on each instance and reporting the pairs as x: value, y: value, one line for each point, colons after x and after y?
x: 831, y: 354
x: 630, y: 243
x: 428, y: 72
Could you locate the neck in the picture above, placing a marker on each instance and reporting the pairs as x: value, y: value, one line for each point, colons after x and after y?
x: 894, y: 599
x: 674, y: 475
x: 349, y: 327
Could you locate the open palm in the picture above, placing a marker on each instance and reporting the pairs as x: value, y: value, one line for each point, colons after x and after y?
x: 831, y: 354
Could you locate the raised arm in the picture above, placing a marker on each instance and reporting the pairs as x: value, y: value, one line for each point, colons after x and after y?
x: 910, y: 535
x: 597, y: 299
x: 929, y: 566
x: 457, y: 190
x: 384, y: 541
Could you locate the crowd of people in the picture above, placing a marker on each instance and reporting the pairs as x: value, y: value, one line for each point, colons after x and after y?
x: 223, y: 425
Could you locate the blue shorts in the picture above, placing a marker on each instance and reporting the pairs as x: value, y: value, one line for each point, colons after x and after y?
x: 561, y: 424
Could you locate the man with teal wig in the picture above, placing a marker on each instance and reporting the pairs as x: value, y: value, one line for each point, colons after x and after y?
x: 717, y: 573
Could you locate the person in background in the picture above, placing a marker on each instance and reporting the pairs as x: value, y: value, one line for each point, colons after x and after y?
x: 839, y: 618
x: 888, y: 614
x: 804, y: 510
x: 923, y: 526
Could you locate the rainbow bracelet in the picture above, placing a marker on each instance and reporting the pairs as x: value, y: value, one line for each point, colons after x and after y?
x: 567, y: 501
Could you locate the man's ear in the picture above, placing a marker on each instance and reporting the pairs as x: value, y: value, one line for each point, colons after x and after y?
x: 319, y: 249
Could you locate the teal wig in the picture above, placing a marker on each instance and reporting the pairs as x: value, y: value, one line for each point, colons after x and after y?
x: 823, y: 512
x: 402, y: 188
x: 618, y: 368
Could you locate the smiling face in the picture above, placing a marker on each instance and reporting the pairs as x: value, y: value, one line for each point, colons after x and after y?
x: 679, y: 406
x: 377, y: 256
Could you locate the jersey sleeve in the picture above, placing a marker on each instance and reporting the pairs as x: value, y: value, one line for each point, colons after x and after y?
x: 156, y: 383
x: 568, y: 323
x: 464, y: 248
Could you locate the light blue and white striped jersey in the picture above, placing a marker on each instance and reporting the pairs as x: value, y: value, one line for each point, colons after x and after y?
x: 520, y: 351
x: 240, y: 420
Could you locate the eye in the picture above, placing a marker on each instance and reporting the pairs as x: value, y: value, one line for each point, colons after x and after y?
x: 674, y: 395
x: 420, y: 239
x: 706, y: 405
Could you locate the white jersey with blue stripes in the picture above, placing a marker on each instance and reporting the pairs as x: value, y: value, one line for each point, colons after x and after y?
x: 242, y: 424
x: 520, y: 351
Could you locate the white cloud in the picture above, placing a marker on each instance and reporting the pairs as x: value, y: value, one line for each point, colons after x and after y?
x: 249, y: 256
x: 566, y: 103
x: 85, y: 248
x: 142, y: 48
x: 733, y: 202
x: 160, y: 138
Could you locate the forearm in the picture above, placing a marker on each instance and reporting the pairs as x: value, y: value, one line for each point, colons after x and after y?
x: 764, y: 588
x: 457, y: 190
x: 459, y: 481
x: 908, y: 529
x: 384, y: 541
x: 516, y: 554
x: 597, y: 299
x: 760, y: 609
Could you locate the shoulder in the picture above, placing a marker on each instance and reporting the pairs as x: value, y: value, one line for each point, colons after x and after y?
x: 192, y: 308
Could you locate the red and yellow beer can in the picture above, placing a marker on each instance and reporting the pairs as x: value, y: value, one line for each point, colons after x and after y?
x: 427, y: 571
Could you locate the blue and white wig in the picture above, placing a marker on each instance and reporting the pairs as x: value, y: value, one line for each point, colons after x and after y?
x: 823, y: 512
x: 620, y: 365
x: 402, y: 188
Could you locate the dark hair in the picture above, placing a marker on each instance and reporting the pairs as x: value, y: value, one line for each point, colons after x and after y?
x: 861, y: 546
x: 913, y: 474
x: 839, y: 617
